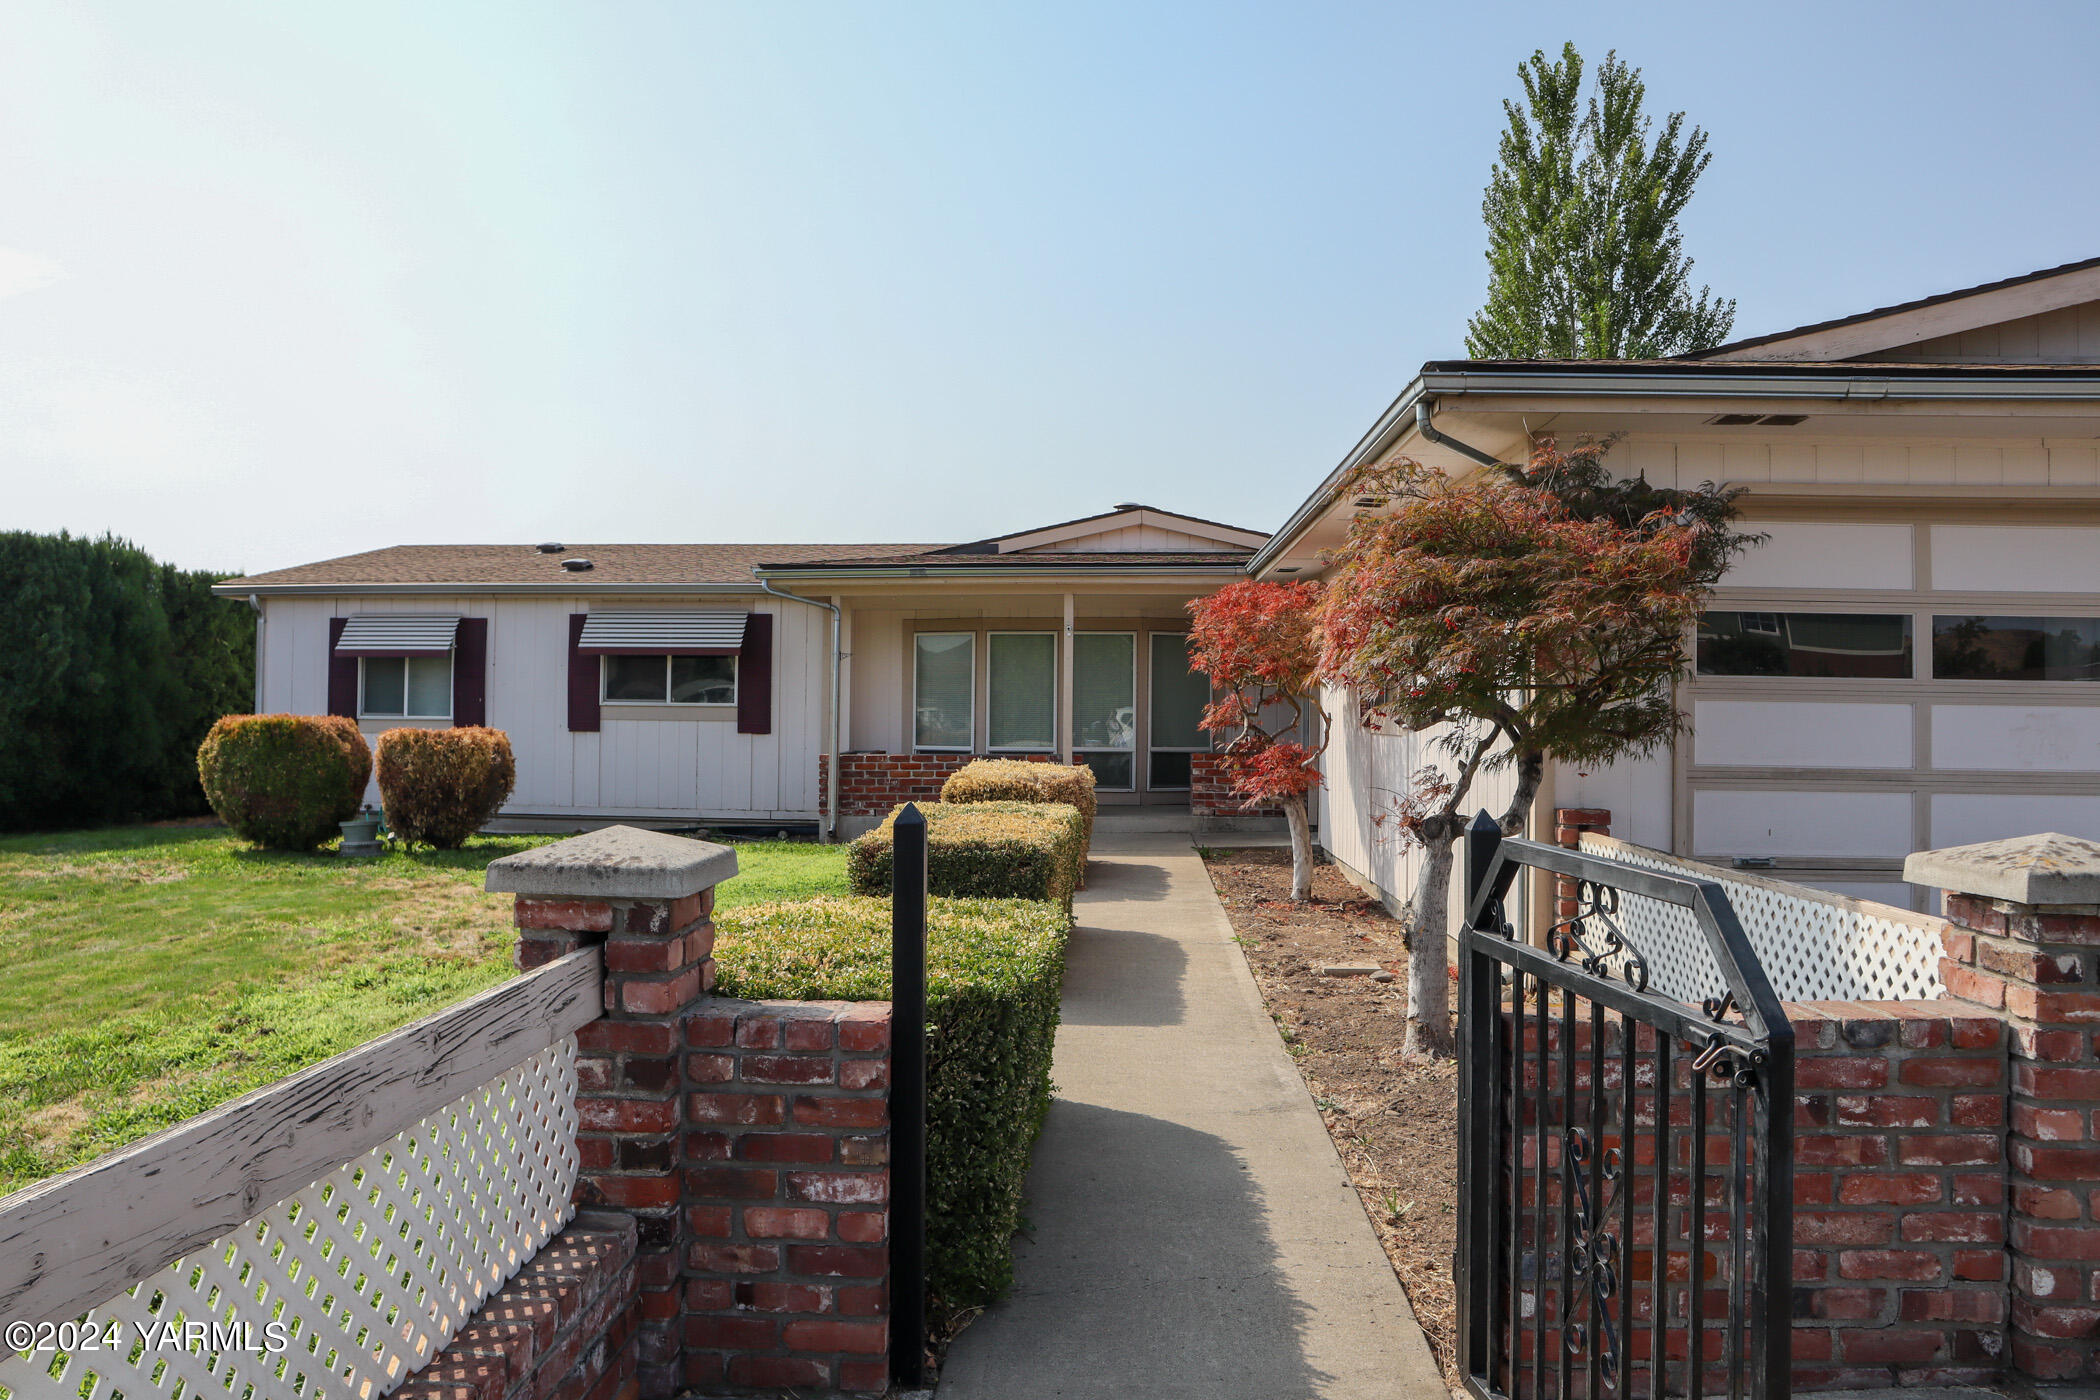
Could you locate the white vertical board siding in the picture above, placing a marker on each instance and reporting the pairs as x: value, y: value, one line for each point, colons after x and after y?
x: 1367, y: 773
x: 1636, y: 791
x: 1789, y: 457
x: 876, y: 672
x: 668, y: 769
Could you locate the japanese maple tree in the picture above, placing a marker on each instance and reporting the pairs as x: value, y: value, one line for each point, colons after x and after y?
x: 1260, y: 645
x: 1521, y: 613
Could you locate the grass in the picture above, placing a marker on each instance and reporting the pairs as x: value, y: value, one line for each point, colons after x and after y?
x: 158, y: 971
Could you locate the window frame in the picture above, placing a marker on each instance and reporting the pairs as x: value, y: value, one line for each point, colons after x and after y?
x: 1056, y: 664
x: 363, y: 713
x: 1135, y: 709
x: 913, y: 718
x: 1152, y: 744
x: 735, y: 680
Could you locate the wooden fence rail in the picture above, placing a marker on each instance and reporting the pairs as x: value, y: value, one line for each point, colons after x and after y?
x: 77, y: 1240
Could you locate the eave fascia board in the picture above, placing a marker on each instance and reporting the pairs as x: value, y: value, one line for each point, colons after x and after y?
x: 1395, y: 423
x: 236, y: 589
x: 1924, y: 388
x: 994, y: 573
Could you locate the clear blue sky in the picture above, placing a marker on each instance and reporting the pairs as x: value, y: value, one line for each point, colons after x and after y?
x: 284, y: 281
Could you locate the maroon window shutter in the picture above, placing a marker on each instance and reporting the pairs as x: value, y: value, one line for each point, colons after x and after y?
x: 583, y: 681
x: 754, y: 676
x: 470, y: 672
x: 342, y: 674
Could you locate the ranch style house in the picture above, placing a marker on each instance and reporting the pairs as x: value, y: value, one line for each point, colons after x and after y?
x: 1911, y: 661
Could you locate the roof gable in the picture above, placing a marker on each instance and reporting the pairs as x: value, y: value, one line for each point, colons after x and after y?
x: 1128, y: 529
x: 2046, y: 317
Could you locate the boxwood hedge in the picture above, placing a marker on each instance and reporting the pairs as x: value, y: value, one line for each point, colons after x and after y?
x: 994, y: 968
x: 984, y: 850
x: 1017, y: 780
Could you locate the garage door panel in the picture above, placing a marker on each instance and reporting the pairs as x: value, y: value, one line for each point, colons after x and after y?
x: 2016, y: 558
x: 1801, y: 734
x: 1963, y: 818
x: 1780, y: 823
x: 2016, y: 738
x: 1805, y: 554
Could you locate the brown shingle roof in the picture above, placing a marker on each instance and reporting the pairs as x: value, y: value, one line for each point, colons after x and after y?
x: 512, y: 564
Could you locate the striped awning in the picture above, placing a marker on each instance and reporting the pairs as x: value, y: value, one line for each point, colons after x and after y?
x: 390, y: 634
x: 660, y: 633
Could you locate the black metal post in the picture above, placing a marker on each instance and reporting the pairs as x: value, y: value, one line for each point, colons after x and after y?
x: 1479, y: 997
x: 908, y: 1098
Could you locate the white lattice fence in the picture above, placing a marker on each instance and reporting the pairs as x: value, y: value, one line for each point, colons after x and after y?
x: 1815, y: 945
x: 362, y: 1271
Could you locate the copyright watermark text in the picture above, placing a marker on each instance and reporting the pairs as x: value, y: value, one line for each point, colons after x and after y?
x: 76, y: 1337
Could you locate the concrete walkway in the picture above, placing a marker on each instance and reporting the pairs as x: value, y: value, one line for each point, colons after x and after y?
x: 1192, y: 1232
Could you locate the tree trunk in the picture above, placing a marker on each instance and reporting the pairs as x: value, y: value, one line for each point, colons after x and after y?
x: 1429, y: 957
x: 1301, y: 848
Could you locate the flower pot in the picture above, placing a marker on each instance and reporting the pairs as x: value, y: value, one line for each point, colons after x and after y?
x: 360, y: 835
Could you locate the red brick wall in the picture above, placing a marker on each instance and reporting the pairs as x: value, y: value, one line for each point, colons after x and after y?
x: 870, y: 784
x: 1899, y: 1191
x: 748, y: 1141
x: 565, y: 1326
x: 1211, y: 794
x: 2036, y: 967
x: 786, y: 1195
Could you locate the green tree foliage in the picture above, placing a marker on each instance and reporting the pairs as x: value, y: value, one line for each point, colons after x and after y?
x: 112, y: 667
x: 1585, y: 258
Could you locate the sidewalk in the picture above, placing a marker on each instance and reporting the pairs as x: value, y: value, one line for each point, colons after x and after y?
x: 1192, y: 1233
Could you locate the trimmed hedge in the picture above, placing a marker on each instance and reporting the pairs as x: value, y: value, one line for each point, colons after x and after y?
x: 983, y: 850
x: 1016, y: 780
x: 112, y: 669
x: 286, y: 782
x: 440, y: 786
x: 994, y: 971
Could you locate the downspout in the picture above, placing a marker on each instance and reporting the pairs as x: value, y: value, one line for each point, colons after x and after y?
x: 838, y: 656
x: 1423, y: 425
x: 260, y: 620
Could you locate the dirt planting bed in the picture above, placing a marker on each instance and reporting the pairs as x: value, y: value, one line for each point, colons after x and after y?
x: 1393, y: 1120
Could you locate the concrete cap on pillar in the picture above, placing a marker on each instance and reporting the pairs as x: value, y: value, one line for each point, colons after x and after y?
x: 615, y: 862
x: 2049, y: 868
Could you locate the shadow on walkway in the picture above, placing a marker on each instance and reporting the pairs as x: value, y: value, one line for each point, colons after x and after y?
x: 1200, y: 1309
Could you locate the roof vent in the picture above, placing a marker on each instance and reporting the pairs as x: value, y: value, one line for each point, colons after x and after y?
x: 577, y: 566
x: 551, y: 548
x: 1129, y: 505
x: 1766, y: 420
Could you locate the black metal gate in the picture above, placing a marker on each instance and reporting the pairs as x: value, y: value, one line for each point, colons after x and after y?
x: 1626, y: 1161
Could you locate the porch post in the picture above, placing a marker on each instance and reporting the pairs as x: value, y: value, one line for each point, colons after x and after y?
x: 1064, y: 690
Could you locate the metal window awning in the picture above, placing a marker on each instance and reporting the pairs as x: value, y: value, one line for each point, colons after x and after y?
x: 393, y: 635
x: 660, y: 633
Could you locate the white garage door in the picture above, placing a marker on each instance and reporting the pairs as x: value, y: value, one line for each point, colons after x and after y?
x: 1866, y: 690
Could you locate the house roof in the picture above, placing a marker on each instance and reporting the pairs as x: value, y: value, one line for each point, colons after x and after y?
x: 991, y: 543
x: 511, y: 565
x: 2074, y: 289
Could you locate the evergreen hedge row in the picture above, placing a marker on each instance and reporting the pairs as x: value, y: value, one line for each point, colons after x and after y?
x: 112, y: 669
x: 994, y: 970
x: 1017, y: 780
x: 984, y: 850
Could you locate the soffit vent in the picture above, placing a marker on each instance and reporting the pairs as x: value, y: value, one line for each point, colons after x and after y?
x: 1764, y: 420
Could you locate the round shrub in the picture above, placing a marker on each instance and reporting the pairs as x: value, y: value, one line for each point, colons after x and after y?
x: 440, y: 786
x: 285, y: 782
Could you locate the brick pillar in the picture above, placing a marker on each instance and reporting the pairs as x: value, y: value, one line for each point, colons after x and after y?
x: 645, y: 898
x: 1568, y: 825
x: 2026, y: 943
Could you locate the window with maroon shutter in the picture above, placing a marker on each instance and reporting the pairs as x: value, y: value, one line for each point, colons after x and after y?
x: 583, y: 680
x: 470, y: 672
x: 342, y: 673
x: 754, y: 688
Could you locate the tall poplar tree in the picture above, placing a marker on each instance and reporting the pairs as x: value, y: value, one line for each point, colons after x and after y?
x: 1585, y: 258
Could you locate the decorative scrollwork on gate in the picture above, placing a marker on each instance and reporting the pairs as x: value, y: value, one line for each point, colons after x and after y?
x: 1594, y: 1254
x: 1593, y: 938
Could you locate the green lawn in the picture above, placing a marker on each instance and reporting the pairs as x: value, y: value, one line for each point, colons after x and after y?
x: 157, y: 971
